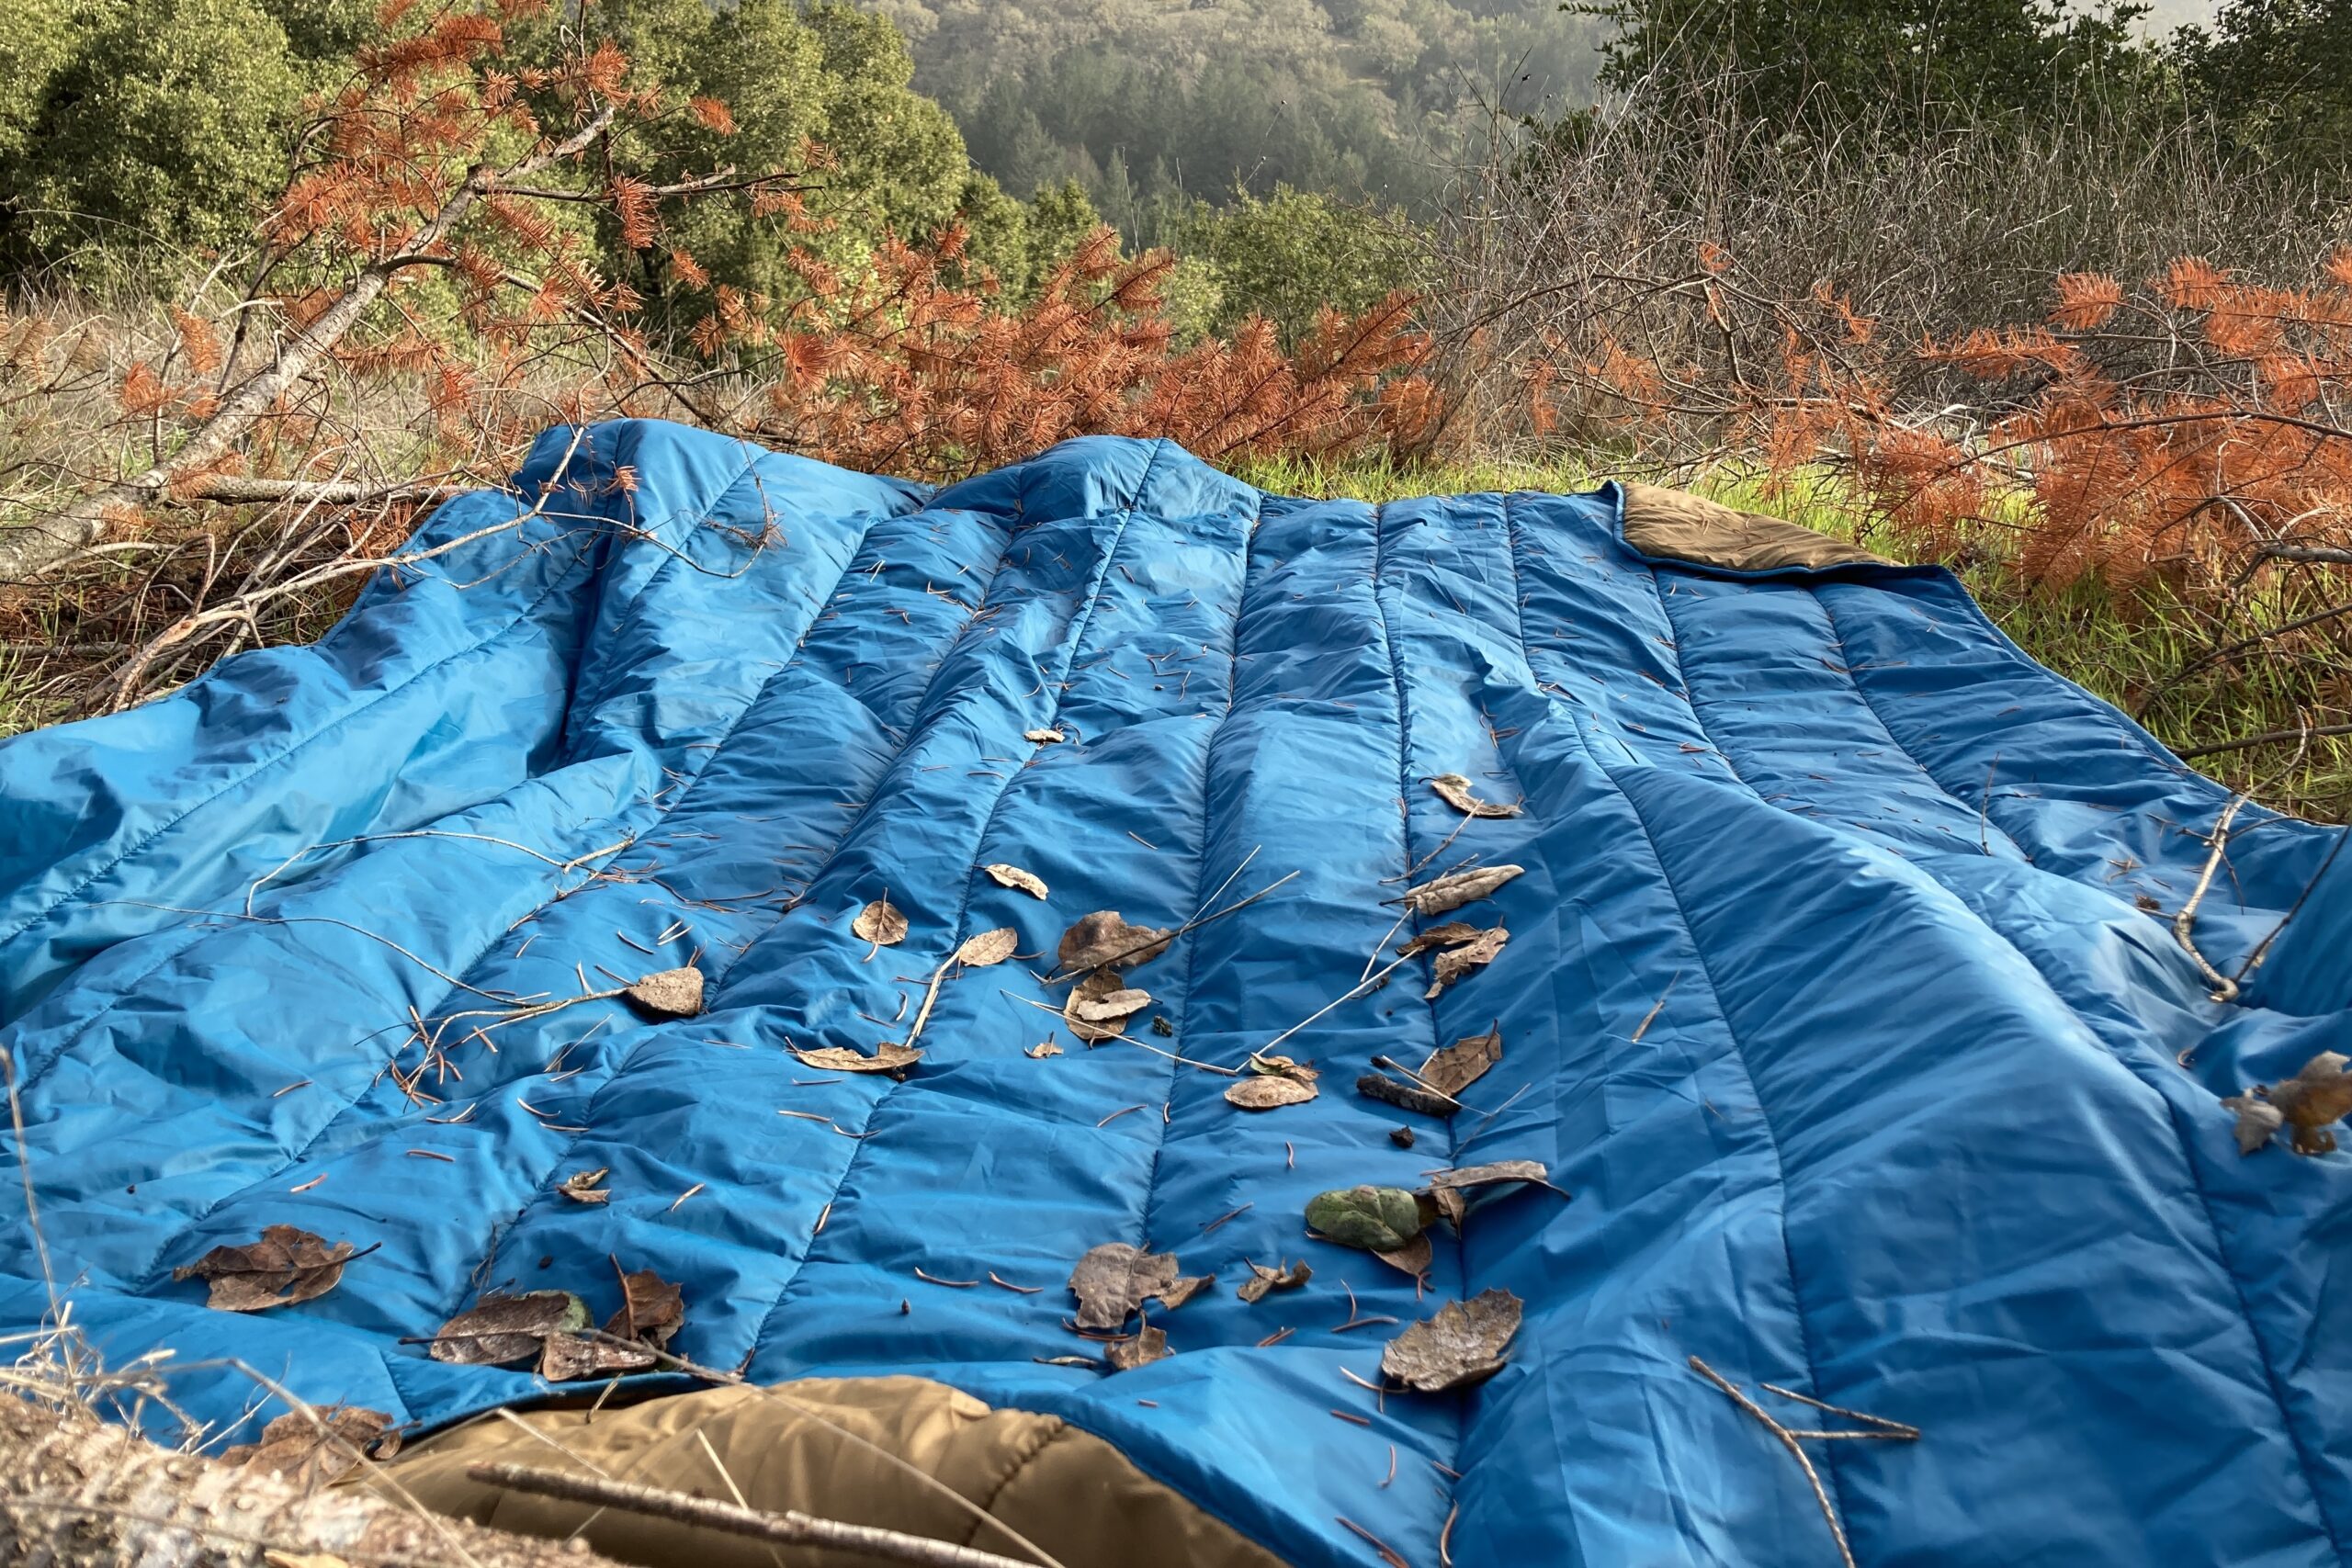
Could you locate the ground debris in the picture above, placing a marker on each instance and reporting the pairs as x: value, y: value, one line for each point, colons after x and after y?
x: 1461, y: 1345
x: 287, y: 1266
x: 1455, y: 791
x: 1443, y: 895
x: 668, y: 993
x: 1113, y: 1281
x: 2309, y: 1102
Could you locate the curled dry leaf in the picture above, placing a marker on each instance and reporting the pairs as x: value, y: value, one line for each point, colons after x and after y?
x: 1261, y: 1062
x: 586, y: 1186
x: 1452, y: 934
x: 2309, y: 1103
x: 568, y: 1358
x: 1113, y: 1281
x: 1040, y: 1052
x: 1413, y: 1257
x: 1463, y: 1062
x: 1446, y: 894
x: 1448, y: 1189
x: 1262, y: 1279
x: 311, y: 1448
x: 1099, y: 1006
x: 1264, y: 1091
x: 500, y: 1330
x: 880, y: 923
x: 1376, y: 1219
x: 1103, y: 939
x: 1043, y: 737
x: 888, y: 1057
x: 989, y: 947
x: 1454, y: 790
x: 1142, y: 1348
x: 668, y: 993
x: 1457, y: 962
x: 1028, y: 882
x: 1462, y: 1345
x: 652, y: 1309
x: 285, y: 1266
x: 1403, y: 1096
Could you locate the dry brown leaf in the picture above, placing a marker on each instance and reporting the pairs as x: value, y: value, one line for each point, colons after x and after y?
x: 880, y: 923
x: 1452, y: 934
x: 502, y: 1329
x: 988, y: 947
x: 1104, y: 938
x: 1113, y: 1281
x: 1102, y: 995
x: 1028, y: 882
x: 888, y: 1057
x: 1043, y: 737
x: 1454, y: 790
x: 1263, y: 1279
x: 668, y: 993
x: 1142, y: 1348
x: 1264, y: 1091
x: 568, y: 1358
x: 1413, y: 1257
x: 1462, y: 1345
x: 1404, y: 1095
x: 586, y: 1186
x: 652, y: 1309
x: 1448, y: 1189
x: 2309, y: 1102
x: 285, y: 1266
x: 1463, y: 1062
x: 1446, y: 894
x: 311, y: 1448
x: 1457, y: 962
x: 1038, y: 1053
x: 1260, y: 1062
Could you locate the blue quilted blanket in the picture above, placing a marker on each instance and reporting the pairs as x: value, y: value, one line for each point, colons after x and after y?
x: 1840, y: 991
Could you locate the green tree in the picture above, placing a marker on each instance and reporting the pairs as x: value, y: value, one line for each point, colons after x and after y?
x: 1289, y: 256
x: 2277, y: 75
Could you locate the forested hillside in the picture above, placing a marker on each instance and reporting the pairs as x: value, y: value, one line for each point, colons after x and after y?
x: 1147, y: 102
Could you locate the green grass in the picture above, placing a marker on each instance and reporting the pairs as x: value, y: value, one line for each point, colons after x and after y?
x: 2130, y: 648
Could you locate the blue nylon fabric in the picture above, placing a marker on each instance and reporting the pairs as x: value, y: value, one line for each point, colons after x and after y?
x: 1907, y: 1132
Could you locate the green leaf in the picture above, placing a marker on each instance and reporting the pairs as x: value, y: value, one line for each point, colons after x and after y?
x: 1377, y: 1219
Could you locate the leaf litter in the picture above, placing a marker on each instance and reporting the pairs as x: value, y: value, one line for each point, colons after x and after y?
x: 668, y: 993
x: 1099, y: 1006
x: 1266, y: 1091
x: 1457, y: 962
x: 2315, y: 1098
x: 1283, y: 1277
x: 311, y: 1448
x: 1113, y: 1281
x: 1104, y: 940
x: 880, y: 923
x: 1443, y: 895
x: 586, y: 1186
x: 1143, y: 1346
x: 1452, y: 934
x: 987, y: 948
x: 1448, y: 1191
x: 1373, y: 1219
x: 286, y: 1267
x: 1462, y: 1345
x: 1455, y: 1068
x: 890, y: 1057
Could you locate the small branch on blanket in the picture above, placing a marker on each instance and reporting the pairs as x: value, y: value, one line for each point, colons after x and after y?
x: 788, y: 1528
x: 2184, y: 924
x: 1887, y: 1431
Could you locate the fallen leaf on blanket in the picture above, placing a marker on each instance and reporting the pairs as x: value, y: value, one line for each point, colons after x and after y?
x: 586, y: 1186
x: 2309, y: 1102
x: 285, y: 1266
x: 312, y: 1447
x: 1376, y: 1219
x: 1447, y: 893
x: 1079, y: 1362
x: 668, y: 993
x: 568, y: 1358
x: 1104, y: 938
x: 1403, y: 1096
x: 1452, y: 934
x: 1463, y: 1062
x: 1447, y: 1189
x: 1099, y: 1006
x: 1462, y: 1345
x: 1457, y: 962
x: 1113, y: 1281
x: 652, y: 1309
x: 1165, y: 1030
x: 1146, y: 1345
x: 1264, y: 1091
x: 1038, y: 1053
x: 888, y: 1057
x: 989, y: 947
x: 1028, y: 882
x: 1260, y: 1062
x: 1263, y: 1279
x: 880, y: 923
x: 1413, y: 1257
x: 1454, y: 790
x: 500, y: 1329
x: 1043, y: 737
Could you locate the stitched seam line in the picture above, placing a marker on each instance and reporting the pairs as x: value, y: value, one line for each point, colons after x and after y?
x: 1201, y: 861
x: 1039, y: 1439
x: 1706, y: 970
x: 1084, y: 623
